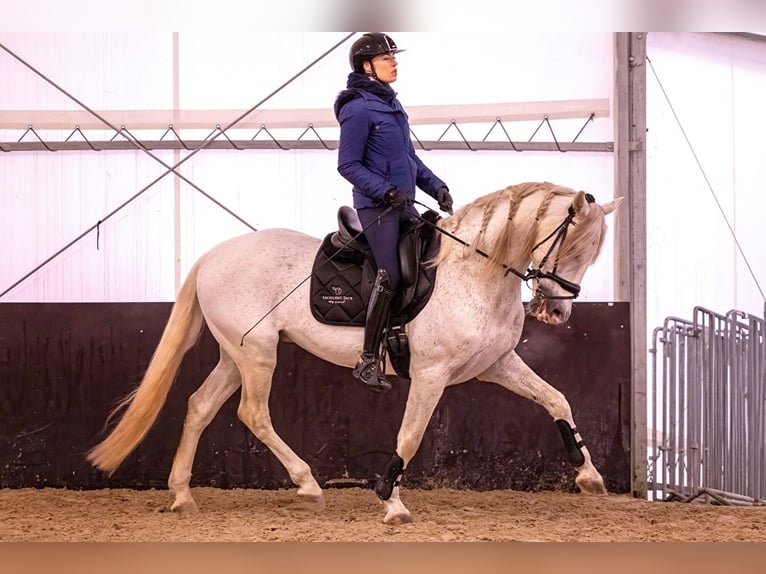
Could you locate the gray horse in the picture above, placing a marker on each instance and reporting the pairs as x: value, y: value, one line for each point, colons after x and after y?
x: 539, y: 232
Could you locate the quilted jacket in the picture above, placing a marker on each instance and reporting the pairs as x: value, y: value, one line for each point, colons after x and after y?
x: 375, y: 151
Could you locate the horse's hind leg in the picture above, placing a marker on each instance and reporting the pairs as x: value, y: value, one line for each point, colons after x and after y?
x: 253, y: 410
x: 513, y: 374
x: 202, y: 408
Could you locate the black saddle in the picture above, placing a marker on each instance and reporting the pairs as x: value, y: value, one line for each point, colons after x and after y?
x: 344, y: 272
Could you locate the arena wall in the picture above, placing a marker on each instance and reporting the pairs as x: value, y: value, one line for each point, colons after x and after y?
x: 63, y: 367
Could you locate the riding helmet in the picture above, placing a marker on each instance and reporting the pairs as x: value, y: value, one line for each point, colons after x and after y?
x: 368, y: 46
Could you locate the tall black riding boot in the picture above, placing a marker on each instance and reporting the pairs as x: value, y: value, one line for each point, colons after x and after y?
x: 369, y: 369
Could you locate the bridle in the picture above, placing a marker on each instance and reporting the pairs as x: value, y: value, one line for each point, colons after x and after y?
x: 559, y: 235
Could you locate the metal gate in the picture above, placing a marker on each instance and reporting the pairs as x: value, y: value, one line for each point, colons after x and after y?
x: 707, y: 418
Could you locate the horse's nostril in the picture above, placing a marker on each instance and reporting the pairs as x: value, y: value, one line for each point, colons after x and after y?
x: 558, y: 316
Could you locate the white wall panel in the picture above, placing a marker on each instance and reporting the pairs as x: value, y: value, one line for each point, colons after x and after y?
x: 716, y: 86
x: 103, y: 70
x: 49, y: 199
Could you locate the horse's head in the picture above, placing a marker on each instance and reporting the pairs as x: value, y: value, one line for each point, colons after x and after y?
x: 555, y: 230
x: 568, y: 241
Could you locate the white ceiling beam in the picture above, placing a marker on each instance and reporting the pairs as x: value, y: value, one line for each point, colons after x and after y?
x: 297, y: 118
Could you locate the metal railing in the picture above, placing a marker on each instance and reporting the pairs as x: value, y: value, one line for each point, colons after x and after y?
x: 707, y: 409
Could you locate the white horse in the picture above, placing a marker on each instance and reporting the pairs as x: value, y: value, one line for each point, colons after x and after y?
x: 468, y: 329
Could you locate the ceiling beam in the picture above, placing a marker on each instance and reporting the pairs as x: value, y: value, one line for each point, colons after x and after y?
x: 312, y: 144
x: 298, y: 118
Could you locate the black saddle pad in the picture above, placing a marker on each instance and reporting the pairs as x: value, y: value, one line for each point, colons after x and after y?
x: 342, y: 280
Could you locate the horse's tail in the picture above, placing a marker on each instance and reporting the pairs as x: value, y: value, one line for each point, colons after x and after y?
x: 144, y: 403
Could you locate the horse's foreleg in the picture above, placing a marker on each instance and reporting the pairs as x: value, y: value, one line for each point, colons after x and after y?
x: 513, y: 374
x: 423, y: 397
x: 202, y: 407
x: 254, y: 412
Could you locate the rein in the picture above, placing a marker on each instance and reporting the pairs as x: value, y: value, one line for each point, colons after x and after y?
x: 559, y: 235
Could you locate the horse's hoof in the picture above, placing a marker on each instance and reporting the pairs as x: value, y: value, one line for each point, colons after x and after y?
x: 591, y: 487
x: 398, y: 519
x: 312, y: 502
x: 186, y: 508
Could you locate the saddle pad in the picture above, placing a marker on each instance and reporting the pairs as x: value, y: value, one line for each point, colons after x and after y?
x: 340, y: 286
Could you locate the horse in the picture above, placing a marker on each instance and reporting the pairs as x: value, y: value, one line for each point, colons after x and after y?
x: 541, y: 233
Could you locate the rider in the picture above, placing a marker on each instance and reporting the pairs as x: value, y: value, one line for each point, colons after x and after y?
x: 376, y: 156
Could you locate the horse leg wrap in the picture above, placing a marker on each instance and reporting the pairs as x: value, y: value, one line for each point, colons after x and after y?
x: 571, y: 444
x: 390, y: 479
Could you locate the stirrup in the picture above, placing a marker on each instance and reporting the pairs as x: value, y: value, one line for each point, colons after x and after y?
x: 368, y: 371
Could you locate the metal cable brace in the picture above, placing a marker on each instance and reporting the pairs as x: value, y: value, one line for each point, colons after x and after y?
x: 264, y: 129
x: 172, y: 130
x: 498, y: 121
x: 452, y: 124
x: 589, y: 120
x: 31, y: 129
x: 77, y: 130
x: 310, y: 128
x: 550, y: 128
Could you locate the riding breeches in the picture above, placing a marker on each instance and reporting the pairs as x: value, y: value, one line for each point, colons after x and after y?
x: 382, y: 234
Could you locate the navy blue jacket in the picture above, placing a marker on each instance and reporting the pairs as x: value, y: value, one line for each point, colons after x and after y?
x: 375, y: 151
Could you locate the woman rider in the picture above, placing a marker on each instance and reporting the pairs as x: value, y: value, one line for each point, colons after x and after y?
x: 377, y: 157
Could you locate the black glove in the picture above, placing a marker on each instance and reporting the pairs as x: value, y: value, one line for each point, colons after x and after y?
x: 395, y: 198
x: 444, y: 199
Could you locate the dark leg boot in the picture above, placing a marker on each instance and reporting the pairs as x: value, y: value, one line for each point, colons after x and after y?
x: 369, y: 369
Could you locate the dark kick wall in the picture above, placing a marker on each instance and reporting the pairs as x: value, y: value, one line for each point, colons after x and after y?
x: 64, y: 366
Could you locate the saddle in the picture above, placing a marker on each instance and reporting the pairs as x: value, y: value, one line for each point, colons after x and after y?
x: 344, y: 272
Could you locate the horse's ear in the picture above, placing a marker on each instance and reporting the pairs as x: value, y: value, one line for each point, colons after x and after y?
x: 612, y: 205
x: 581, y: 204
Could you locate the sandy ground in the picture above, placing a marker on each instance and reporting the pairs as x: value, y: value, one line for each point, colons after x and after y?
x: 355, y: 515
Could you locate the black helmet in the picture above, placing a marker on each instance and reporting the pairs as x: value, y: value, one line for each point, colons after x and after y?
x: 368, y: 46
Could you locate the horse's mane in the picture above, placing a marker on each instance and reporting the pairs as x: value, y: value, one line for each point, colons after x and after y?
x: 512, y: 247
